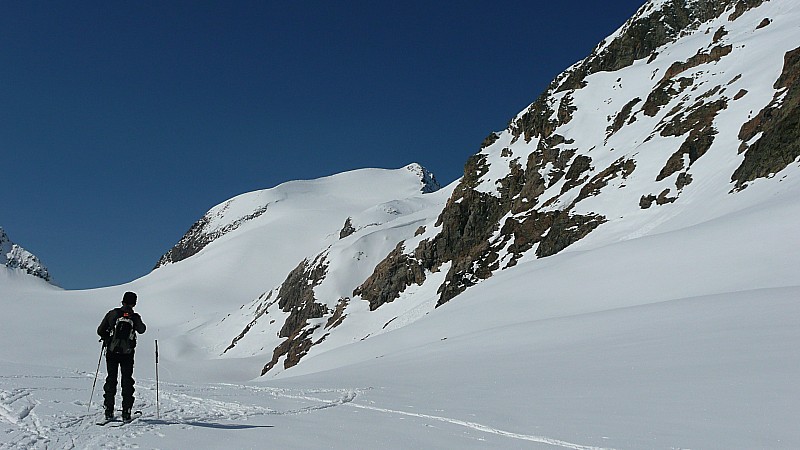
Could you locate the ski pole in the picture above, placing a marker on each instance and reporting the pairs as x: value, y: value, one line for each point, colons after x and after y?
x: 158, y: 415
x: 96, y: 372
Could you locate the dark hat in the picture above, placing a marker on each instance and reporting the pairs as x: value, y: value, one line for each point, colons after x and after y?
x: 129, y: 299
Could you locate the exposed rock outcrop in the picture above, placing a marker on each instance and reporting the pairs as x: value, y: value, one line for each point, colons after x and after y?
x: 482, y: 232
x: 296, y: 296
x: 392, y: 276
x: 15, y: 257
x: 778, y: 125
x: 200, y: 235
x: 649, y: 30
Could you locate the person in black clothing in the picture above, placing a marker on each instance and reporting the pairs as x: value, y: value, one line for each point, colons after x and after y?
x: 120, y: 355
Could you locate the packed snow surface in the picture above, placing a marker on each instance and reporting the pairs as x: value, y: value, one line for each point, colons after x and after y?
x: 682, y: 339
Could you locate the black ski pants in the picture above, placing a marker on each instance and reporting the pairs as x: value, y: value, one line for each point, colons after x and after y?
x: 115, y: 362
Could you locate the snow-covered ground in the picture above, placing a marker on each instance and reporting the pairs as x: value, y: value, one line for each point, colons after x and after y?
x: 685, y: 339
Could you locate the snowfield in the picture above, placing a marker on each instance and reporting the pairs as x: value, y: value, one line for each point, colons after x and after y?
x: 648, y: 343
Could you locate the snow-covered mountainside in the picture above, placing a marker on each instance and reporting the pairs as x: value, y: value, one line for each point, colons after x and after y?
x: 15, y: 257
x: 244, y: 210
x: 676, y: 119
x: 684, y: 107
x: 247, y: 245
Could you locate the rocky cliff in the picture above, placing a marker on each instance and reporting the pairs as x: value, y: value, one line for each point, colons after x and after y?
x: 524, y: 191
x: 15, y: 257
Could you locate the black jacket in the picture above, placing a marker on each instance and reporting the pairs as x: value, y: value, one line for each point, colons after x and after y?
x: 104, y: 330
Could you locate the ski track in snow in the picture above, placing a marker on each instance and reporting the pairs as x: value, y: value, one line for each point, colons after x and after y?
x: 69, y: 426
x: 16, y: 410
x: 351, y: 395
x: 486, y: 429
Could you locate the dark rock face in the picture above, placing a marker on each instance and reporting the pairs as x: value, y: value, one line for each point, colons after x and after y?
x: 566, y: 230
x: 428, y: 180
x: 347, y: 229
x: 392, y: 276
x: 489, y: 140
x: 666, y: 90
x: 779, y: 145
x: 190, y: 244
x: 296, y: 296
x: 698, y: 123
x: 715, y: 54
x: 536, y: 121
x: 644, y: 35
x: 338, y: 315
x: 471, y: 217
x: 622, y: 117
x: 31, y: 267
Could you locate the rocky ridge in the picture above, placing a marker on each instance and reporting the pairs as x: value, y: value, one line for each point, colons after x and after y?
x: 485, y: 229
x: 15, y: 257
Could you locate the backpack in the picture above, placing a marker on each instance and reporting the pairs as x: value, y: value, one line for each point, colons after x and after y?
x: 123, y: 335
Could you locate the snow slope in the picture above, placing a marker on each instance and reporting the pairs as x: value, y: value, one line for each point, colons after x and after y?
x: 296, y: 219
x: 648, y: 148
x: 627, y: 358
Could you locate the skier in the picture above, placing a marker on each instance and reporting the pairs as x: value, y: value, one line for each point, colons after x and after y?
x: 118, y: 333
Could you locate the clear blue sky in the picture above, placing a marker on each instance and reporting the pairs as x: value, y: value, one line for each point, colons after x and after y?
x: 124, y: 122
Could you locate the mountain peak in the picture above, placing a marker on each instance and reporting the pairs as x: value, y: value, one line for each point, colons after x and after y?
x: 15, y: 257
x: 344, y: 194
x: 429, y: 183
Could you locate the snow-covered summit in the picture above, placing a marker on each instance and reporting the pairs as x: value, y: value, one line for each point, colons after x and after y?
x: 426, y: 177
x: 341, y: 195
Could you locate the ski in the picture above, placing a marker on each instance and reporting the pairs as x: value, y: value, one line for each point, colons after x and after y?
x: 105, y: 422
x: 135, y: 415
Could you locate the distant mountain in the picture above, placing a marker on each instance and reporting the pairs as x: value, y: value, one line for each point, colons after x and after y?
x: 15, y: 257
x: 667, y: 124
x: 245, y: 210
